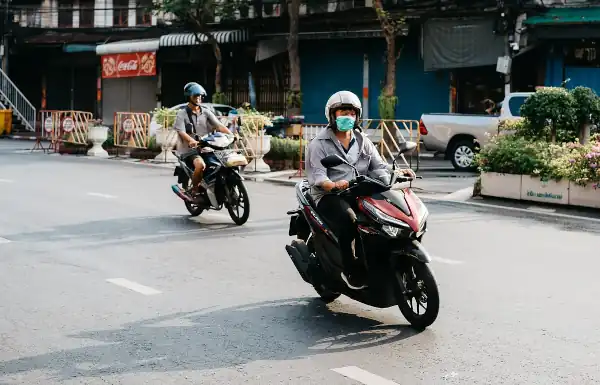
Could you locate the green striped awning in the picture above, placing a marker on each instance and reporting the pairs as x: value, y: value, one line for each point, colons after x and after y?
x: 558, y: 16
x: 186, y: 39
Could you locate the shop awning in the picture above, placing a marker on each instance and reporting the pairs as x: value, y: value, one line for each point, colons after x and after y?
x: 562, y: 16
x: 340, y: 34
x: 128, y: 46
x: 186, y: 39
x: 76, y: 48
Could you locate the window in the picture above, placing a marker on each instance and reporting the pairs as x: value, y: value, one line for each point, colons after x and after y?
x: 143, y: 12
x: 65, y: 13
x: 86, y: 13
x: 515, y: 103
x: 120, y: 13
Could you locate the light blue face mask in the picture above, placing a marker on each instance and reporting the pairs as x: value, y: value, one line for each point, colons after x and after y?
x: 344, y: 123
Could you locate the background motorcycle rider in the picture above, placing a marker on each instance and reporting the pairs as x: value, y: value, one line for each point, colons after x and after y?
x: 195, y: 120
x: 343, y: 137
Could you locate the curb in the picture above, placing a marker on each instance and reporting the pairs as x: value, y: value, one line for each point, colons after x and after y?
x: 19, y: 137
x: 531, y: 213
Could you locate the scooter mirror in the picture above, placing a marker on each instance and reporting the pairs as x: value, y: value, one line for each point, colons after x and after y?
x: 406, y: 147
x: 332, y: 161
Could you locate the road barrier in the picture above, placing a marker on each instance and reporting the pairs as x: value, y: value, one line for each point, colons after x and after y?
x: 131, y: 129
x: 47, y: 131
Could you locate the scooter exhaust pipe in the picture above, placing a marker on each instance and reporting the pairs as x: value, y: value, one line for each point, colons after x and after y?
x: 179, y: 192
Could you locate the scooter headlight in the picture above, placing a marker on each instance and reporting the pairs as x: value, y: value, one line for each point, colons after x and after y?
x: 389, y: 222
x: 392, y: 231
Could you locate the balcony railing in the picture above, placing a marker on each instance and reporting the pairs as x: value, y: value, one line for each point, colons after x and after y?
x: 82, y: 16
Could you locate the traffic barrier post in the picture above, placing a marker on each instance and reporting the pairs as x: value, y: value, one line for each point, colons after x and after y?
x: 48, y: 131
x: 72, y: 126
x: 131, y: 130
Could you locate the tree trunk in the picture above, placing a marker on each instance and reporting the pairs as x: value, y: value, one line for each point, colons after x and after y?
x: 294, y: 96
x: 584, y: 132
x: 219, y: 66
x: 387, y: 99
x: 218, y: 96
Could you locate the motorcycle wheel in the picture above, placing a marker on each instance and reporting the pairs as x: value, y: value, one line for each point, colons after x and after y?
x: 325, y: 294
x: 416, y: 286
x: 192, y: 208
x: 243, y: 202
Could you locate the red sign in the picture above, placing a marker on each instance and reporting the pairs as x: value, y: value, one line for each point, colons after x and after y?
x: 126, y: 65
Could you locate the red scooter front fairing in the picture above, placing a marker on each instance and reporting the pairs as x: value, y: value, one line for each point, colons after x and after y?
x: 402, y: 207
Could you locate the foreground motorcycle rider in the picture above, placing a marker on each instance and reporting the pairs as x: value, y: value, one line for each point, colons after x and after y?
x: 195, y: 120
x: 343, y: 137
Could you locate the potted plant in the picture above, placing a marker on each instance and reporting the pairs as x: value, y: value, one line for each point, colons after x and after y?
x: 584, y: 173
x: 166, y: 136
x: 258, y: 144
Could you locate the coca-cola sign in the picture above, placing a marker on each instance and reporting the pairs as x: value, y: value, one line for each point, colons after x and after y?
x: 129, y: 65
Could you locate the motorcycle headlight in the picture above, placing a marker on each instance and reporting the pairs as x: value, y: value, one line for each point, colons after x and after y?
x: 383, y: 217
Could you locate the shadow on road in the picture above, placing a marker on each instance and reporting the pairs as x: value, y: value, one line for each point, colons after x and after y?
x: 156, y: 229
x: 211, y: 339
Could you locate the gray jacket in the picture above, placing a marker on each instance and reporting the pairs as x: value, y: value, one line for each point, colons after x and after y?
x: 366, y: 160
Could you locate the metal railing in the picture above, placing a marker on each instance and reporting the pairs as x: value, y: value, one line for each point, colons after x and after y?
x: 14, y: 98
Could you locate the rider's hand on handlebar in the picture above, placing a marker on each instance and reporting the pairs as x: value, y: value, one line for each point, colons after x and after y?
x: 193, y: 143
x: 342, y: 184
x: 406, y: 172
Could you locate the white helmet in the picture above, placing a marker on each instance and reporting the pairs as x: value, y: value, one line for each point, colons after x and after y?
x: 343, y: 99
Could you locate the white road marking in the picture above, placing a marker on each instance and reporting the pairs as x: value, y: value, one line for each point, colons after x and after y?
x: 93, y: 194
x: 447, y: 261
x: 133, y: 286
x: 6, y: 181
x: 4, y: 240
x: 363, y: 376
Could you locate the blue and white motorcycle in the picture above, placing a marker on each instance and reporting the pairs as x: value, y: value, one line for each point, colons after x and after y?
x: 223, y: 186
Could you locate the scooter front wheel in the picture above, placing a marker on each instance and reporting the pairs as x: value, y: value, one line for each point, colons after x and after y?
x: 417, y: 293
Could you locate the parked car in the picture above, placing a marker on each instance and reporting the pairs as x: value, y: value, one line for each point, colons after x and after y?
x: 220, y: 110
x: 459, y: 136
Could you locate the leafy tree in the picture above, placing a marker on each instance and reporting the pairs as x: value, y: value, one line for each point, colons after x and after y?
x: 388, y: 99
x: 197, y: 15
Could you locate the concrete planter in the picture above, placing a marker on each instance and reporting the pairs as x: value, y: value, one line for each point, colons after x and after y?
x: 533, y: 189
x: 260, y: 146
x: 167, y: 140
x: 584, y: 196
x: 501, y: 185
x: 97, y: 135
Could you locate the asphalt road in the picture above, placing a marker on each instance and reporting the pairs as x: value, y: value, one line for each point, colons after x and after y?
x: 222, y: 304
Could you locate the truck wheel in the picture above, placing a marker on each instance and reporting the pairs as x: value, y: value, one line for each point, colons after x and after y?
x: 462, y: 155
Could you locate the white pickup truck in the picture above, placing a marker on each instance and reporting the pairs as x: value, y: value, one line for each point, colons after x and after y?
x: 459, y: 136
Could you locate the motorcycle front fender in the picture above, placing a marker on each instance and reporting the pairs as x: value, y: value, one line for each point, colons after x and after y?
x: 234, y: 175
x: 415, y: 250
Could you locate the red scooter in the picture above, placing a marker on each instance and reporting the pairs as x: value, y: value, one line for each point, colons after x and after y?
x: 391, y: 224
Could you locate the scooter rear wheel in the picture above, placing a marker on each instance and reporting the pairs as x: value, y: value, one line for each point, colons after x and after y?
x: 416, y: 286
x: 325, y: 294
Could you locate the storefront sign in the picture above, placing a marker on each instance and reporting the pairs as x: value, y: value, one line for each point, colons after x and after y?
x: 129, y: 65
